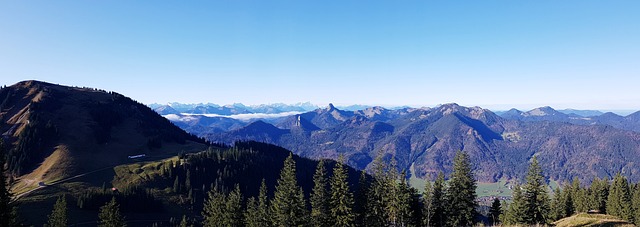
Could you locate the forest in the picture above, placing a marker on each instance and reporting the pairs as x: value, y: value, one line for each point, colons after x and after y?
x: 216, y: 184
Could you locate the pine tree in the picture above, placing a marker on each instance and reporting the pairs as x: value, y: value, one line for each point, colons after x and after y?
x: 360, y: 205
x: 58, y: 217
x: 579, y: 196
x: 558, y: 209
x: 223, y: 210
x: 214, y: 208
x: 404, y: 197
x: 8, y: 214
x: 251, y: 218
x: 320, y: 214
x: 517, y: 209
x: 257, y: 210
x: 288, y: 206
x: 495, y: 211
x: 341, y: 198
x: 635, y: 201
x: 375, y: 206
x: 439, y: 217
x: 599, y: 192
x: 233, y: 208
x: 110, y: 215
x: 535, y: 195
x: 619, y: 200
x: 427, y: 201
x: 461, y: 193
x: 184, y: 222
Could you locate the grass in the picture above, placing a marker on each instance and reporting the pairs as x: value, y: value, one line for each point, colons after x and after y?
x: 593, y: 220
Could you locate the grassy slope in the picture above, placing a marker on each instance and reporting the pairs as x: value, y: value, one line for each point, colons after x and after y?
x: 591, y: 220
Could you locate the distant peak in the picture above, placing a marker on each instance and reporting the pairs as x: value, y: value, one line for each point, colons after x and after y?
x: 331, y: 107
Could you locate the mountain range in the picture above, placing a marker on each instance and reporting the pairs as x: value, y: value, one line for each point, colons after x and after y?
x: 422, y: 141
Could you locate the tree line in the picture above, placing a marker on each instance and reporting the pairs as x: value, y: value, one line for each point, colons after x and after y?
x: 381, y: 199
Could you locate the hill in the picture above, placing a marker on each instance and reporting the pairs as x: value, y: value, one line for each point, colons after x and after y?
x: 592, y: 220
x: 57, y: 131
x: 157, y: 191
x: 423, y: 141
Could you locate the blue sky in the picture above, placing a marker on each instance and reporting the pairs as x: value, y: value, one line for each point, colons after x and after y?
x: 496, y: 54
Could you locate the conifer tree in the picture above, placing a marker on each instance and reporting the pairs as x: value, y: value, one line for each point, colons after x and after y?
x: 184, y: 222
x: 558, y: 210
x: 439, y: 217
x: 110, y: 215
x: 599, y: 190
x: 233, y: 208
x: 223, y: 210
x: 579, y: 196
x: 427, y: 201
x: 535, y: 196
x: 375, y: 206
x: 619, y: 199
x: 288, y: 206
x: 361, y: 199
x: 320, y: 214
x: 8, y: 210
x: 635, y: 201
x: 404, y: 198
x: 341, y: 198
x: 517, y: 209
x: 214, y: 208
x: 495, y: 211
x: 251, y: 218
x: 257, y: 214
x: 461, y: 193
x: 58, y: 216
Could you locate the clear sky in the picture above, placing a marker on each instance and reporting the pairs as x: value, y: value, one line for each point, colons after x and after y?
x: 495, y: 54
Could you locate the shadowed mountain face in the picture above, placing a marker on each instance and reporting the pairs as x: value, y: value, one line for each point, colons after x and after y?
x: 424, y: 141
x: 57, y: 131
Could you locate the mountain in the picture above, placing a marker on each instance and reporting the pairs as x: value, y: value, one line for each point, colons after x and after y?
x: 77, y: 142
x: 423, y: 141
x: 232, y: 109
x: 201, y: 124
x: 582, y: 113
x: 630, y: 122
x: 57, y: 131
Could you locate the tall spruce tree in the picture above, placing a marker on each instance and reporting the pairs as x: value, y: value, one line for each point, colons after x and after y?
x: 110, y: 215
x: 375, y: 206
x: 233, y: 208
x: 320, y: 213
x: 8, y: 209
x: 404, y: 198
x: 341, y: 197
x: 536, y: 197
x: 214, y: 208
x: 360, y: 205
x: 635, y: 201
x: 599, y: 190
x: 517, y: 209
x: 288, y: 206
x: 257, y: 214
x: 439, y: 217
x: 495, y: 211
x: 427, y: 204
x: 461, y: 193
x: 58, y: 216
x: 579, y: 196
x: 223, y: 210
x: 558, y: 205
x: 619, y: 199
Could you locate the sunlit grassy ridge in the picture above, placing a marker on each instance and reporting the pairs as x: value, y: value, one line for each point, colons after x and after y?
x: 584, y: 219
